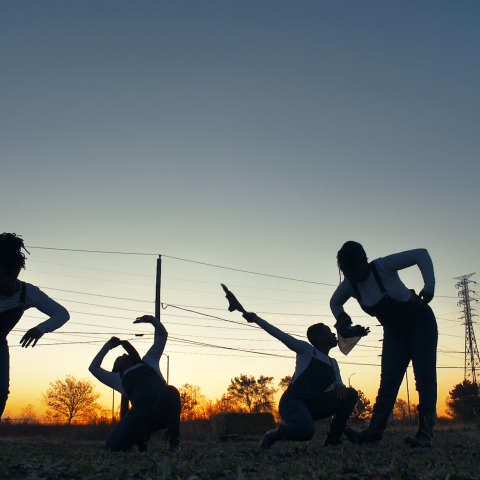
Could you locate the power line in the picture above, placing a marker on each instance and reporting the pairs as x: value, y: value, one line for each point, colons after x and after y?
x: 186, y: 260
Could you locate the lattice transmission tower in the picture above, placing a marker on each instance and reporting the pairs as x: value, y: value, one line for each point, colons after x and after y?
x: 472, y: 357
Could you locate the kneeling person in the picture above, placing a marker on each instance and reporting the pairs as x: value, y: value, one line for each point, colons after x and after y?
x: 155, y: 405
x: 306, y: 400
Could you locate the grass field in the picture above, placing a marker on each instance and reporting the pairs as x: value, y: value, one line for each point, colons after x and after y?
x: 456, y: 455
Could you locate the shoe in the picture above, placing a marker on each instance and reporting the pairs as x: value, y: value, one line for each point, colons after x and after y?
x: 175, y: 446
x: 334, y: 435
x: 424, y: 435
x: 172, y: 435
x: 142, y: 446
x: 270, y: 438
x: 373, y: 434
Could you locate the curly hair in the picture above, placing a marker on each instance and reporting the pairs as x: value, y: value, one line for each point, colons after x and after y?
x: 350, y: 255
x: 313, y: 331
x: 12, y: 259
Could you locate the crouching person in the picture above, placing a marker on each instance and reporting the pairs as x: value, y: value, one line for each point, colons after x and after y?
x: 307, y: 400
x: 155, y: 405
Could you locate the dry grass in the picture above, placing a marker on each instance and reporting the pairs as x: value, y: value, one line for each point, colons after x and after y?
x: 455, y: 455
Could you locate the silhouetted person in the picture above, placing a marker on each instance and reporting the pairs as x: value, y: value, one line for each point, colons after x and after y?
x: 306, y: 399
x: 155, y: 405
x: 409, y: 326
x: 15, y: 298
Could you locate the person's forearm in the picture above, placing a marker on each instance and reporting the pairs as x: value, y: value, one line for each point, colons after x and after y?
x: 97, y: 361
x: 160, y: 329
x: 131, y: 350
x: 339, y: 297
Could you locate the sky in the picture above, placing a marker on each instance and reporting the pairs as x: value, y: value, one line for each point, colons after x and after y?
x: 258, y: 136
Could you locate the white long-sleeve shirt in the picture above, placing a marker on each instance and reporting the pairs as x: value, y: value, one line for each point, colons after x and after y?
x: 387, y: 268
x: 151, y: 358
x: 304, y: 351
x: 34, y: 297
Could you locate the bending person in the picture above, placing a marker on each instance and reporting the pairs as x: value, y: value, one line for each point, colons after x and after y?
x: 15, y: 298
x: 306, y: 400
x: 155, y: 405
x: 409, y: 326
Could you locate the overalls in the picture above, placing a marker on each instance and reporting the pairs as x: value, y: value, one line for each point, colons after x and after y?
x: 409, y: 333
x: 305, y: 401
x: 8, y: 320
x: 155, y: 406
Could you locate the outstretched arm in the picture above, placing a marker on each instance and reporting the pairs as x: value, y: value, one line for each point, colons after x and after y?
x: 42, y: 302
x: 298, y: 346
x: 161, y: 335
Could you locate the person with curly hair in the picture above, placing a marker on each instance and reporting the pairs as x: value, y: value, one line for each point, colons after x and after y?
x: 409, y: 331
x: 16, y: 297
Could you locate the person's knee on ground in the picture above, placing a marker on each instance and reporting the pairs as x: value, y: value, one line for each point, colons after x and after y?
x: 3, y: 401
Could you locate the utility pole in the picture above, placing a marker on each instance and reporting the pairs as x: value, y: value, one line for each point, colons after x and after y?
x: 472, y: 357
x: 168, y: 368
x: 408, y: 396
x: 158, y: 287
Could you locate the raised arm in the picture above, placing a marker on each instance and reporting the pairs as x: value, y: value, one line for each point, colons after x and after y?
x: 107, y: 378
x: 42, y: 302
x: 298, y: 346
x: 131, y: 350
x: 161, y: 335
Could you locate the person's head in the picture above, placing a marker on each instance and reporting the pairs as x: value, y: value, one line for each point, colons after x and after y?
x: 321, y: 337
x: 123, y: 363
x: 352, y: 261
x: 12, y: 259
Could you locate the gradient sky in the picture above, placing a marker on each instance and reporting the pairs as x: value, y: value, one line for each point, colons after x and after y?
x: 254, y: 135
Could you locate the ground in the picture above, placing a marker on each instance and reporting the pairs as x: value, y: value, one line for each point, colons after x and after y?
x: 456, y: 455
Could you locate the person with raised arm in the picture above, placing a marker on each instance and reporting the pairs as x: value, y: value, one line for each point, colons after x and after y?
x: 307, y: 399
x: 409, y: 331
x: 16, y: 297
x: 155, y: 405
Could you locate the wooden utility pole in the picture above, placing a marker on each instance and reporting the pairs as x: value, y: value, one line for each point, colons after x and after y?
x: 158, y: 288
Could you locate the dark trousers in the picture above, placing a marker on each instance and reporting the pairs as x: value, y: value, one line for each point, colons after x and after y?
x: 4, y: 374
x: 418, y: 343
x: 300, y: 416
x: 145, y: 418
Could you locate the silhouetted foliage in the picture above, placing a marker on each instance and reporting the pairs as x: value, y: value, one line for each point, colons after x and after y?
x: 363, y: 409
x: 72, y: 398
x: 255, y: 395
x: 464, y: 401
x: 285, y: 382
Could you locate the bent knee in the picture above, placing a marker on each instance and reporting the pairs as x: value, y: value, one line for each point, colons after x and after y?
x: 352, y: 394
x: 306, y: 430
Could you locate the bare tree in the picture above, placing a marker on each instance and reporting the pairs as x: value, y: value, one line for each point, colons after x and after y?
x: 72, y: 398
x: 191, y: 399
x: 28, y: 413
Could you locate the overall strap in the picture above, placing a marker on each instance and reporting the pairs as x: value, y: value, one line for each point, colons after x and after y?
x: 378, y: 279
x: 23, y: 291
x: 358, y: 295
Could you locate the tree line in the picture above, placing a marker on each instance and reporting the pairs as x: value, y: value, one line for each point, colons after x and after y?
x: 76, y: 400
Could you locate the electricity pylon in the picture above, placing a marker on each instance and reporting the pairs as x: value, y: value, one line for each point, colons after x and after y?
x: 472, y: 357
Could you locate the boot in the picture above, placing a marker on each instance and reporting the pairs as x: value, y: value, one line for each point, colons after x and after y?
x: 173, y: 436
x: 270, y: 438
x: 373, y: 434
x: 424, y: 435
x: 335, y: 433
